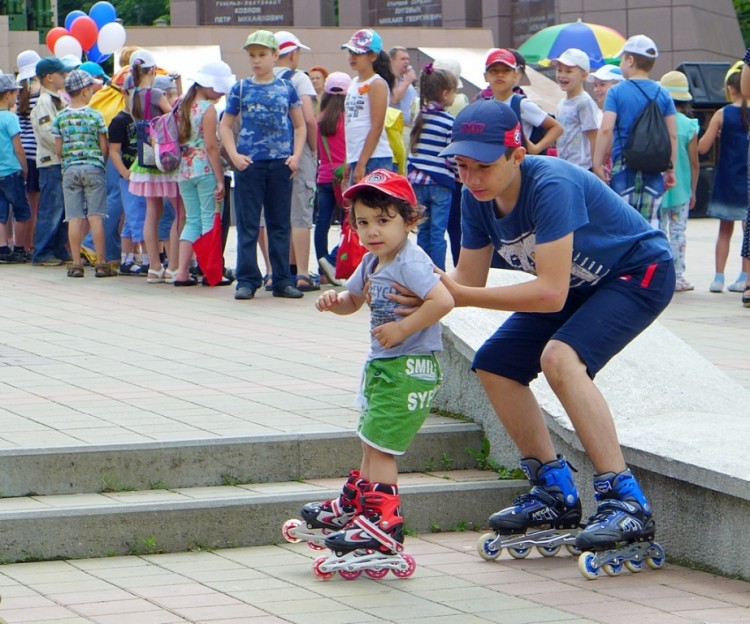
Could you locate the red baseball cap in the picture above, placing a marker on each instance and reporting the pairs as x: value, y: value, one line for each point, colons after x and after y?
x: 386, y: 182
x: 501, y: 55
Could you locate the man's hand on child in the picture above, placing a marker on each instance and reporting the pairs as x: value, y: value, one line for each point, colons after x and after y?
x: 407, y: 300
x: 389, y: 334
x: 328, y: 300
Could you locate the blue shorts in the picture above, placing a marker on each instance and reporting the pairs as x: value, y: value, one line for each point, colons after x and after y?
x: 13, y: 193
x: 597, y: 325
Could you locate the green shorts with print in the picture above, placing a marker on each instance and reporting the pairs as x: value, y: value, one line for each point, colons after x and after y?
x: 398, y: 393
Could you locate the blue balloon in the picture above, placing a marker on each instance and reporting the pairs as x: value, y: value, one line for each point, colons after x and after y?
x: 103, y: 13
x: 71, y: 17
x: 96, y: 55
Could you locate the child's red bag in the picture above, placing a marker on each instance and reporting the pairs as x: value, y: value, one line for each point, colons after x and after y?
x: 351, y: 251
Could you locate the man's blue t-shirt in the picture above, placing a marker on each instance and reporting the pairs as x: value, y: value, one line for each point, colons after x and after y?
x: 627, y: 102
x: 264, y: 132
x: 556, y: 198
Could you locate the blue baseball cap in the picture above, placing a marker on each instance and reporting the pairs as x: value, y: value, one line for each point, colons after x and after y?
x: 94, y: 69
x: 483, y: 131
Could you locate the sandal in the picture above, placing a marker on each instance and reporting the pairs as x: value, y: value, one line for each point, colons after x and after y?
x: 75, y: 270
x: 104, y: 270
x: 746, y: 297
x: 306, y: 283
x: 155, y: 277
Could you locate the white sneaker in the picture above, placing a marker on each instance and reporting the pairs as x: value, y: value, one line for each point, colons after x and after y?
x: 682, y: 285
x: 738, y: 286
x: 329, y: 271
x: 716, y: 286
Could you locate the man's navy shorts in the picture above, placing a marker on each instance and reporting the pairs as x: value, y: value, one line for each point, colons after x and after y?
x: 596, y: 324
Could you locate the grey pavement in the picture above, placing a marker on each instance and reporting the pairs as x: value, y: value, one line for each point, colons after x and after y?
x: 101, y: 361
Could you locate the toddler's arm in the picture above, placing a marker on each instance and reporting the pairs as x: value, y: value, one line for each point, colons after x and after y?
x: 339, y: 303
x: 437, y: 303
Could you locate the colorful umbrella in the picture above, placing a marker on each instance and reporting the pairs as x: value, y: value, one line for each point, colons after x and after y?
x: 601, y: 43
x: 208, y: 251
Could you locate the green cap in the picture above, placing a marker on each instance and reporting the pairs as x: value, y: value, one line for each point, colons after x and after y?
x: 262, y: 38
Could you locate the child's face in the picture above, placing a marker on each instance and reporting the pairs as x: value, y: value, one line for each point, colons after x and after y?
x: 501, y: 79
x: 570, y: 78
x: 262, y: 59
x: 382, y: 233
x: 449, y: 97
x: 361, y: 62
x: 600, y: 90
x: 55, y: 81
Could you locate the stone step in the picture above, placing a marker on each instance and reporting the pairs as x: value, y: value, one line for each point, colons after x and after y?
x: 179, y: 519
x: 442, y: 443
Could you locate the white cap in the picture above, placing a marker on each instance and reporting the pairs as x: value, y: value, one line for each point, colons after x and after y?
x: 26, y: 62
x: 143, y: 58
x: 216, y: 75
x: 288, y: 42
x: 573, y: 57
x: 606, y: 73
x: 641, y: 45
x: 450, y: 65
x: 71, y: 60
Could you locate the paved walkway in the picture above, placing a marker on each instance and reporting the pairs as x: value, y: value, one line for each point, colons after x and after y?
x: 96, y: 361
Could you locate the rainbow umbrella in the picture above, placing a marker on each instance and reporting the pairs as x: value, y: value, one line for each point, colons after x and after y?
x: 601, y: 43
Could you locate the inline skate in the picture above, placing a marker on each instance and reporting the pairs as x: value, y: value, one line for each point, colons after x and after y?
x: 548, y: 517
x: 321, y: 519
x: 372, y: 543
x: 621, y: 532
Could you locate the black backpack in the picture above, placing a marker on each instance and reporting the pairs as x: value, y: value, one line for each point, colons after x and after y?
x: 537, y: 132
x: 648, y: 148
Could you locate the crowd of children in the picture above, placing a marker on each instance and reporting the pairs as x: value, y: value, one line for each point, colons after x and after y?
x: 320, y: 137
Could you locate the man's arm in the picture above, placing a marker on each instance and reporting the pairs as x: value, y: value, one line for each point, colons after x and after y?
x: 402, y: 86
x: 547, y: 293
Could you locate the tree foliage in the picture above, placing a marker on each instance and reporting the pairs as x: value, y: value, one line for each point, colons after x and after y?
x: 742, y: 7
x: 131, y: 12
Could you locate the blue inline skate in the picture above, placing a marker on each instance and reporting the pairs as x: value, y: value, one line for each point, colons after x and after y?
x: 321, y: 519
x: 548, y: 517
x: 621, y: 532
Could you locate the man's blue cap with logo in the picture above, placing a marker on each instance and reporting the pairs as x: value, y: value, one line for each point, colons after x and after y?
x: 483, y: 131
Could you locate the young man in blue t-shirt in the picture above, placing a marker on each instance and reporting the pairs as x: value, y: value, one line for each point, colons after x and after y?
x: 602, y: 276
x: 623, y: 104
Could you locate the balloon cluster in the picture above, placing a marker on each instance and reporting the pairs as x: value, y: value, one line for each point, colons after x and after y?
x: 97, y: 34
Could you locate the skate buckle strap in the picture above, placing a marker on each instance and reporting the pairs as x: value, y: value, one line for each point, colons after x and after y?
x: 538, y: 494
x: 376, y: 532
x: 336, y: 507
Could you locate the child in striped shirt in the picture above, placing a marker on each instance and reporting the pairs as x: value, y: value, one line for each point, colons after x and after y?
x: 432, y: 175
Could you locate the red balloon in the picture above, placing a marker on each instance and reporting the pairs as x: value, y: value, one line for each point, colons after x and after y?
x: 85, y: 30
x: 53, y: 35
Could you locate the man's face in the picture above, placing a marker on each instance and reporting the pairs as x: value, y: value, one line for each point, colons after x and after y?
x: 401, y: 62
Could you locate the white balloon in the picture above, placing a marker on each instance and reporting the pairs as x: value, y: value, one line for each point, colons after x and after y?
x: 67, y: 44
x: 112, y: 37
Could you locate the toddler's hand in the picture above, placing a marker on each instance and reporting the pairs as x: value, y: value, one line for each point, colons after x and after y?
x: 389, y: 334
x: 328, y: 300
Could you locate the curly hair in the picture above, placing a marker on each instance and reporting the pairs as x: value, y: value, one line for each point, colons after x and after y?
x: 389, y: 205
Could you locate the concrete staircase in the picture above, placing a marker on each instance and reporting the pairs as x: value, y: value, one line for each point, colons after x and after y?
x: 205, y: 494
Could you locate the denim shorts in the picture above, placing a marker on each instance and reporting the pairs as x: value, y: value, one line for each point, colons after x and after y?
x: 398, y: 394
x: 85, y: 191
x: 13, y: 193
x: 597, y: 325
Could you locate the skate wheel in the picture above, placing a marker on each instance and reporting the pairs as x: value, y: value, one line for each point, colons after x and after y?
x: 634, y: 566
x: 573, y: 550
x: 613, y: 569
x: 377, y: 574
x: 519, y: 552
x: 587, y: 566
x: 316, y: 546
x: 410, y: 570
x: 657, y: 558
x: 323, y: 576
x: 287, y: 527
x: 485, y: 549
x: 350, y: 575
x: 548, y: 551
